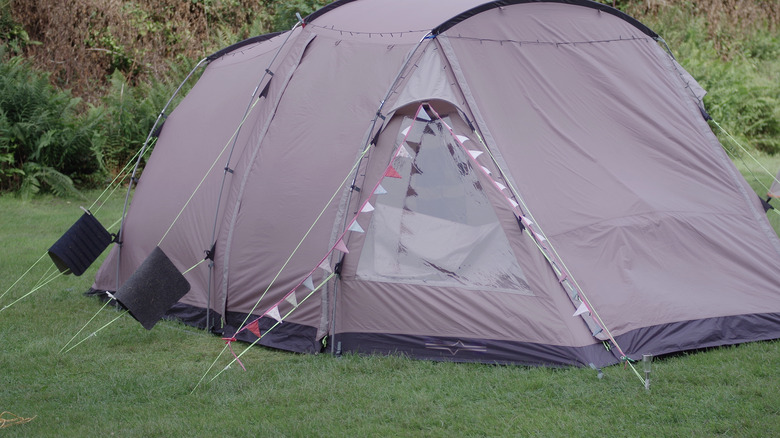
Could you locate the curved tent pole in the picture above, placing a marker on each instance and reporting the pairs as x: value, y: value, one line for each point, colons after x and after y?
x: 249, y: 107
x: 138, y: 162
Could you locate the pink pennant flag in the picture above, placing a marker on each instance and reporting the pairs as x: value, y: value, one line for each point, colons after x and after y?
x: 325, y: 266
x: 462, y: 138
x: 475, y: 154
x: 292, y: 300
x: 581, y: 309
x: 341, y: 247
x: 274, y: 313
x: 309, y: 283
x: 392, y: 173
x: 356, y: 227
x: 368, y: 208
x: 380, y: 190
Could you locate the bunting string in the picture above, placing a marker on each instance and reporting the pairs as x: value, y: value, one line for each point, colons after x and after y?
x: 540, y: 240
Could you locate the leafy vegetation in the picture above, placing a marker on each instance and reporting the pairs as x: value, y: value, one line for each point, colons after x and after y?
x: 83, y: 81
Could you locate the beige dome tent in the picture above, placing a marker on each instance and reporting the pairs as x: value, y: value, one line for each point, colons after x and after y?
x: 506, y: 182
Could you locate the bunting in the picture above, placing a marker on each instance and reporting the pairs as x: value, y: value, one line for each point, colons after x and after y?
x: 403, y: 152
x: 341, y: 246
x: 462, y: 139
x: 392, y: 173
x: 292, y: 300
x: 254, y: 327
x: 325, y: 266
x: 356, y: 227
x: 475, y: 154
x: 368, y: 208
x: 309, y: 283
x: 380, y: 190
x: 581, y: 309
x: 274, y: 313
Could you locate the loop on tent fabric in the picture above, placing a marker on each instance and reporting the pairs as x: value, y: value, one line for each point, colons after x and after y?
x: 81, y: 245
x: 152, y: 289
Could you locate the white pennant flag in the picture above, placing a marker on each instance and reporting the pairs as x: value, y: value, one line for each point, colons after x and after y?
x: 527, y: 222
x: 380, y: 190
x: 499, y: 185
x: 274, y: 313
x: 403, y: 152
x: 475, y: 154
x: 356, y: 227
x: 462, y: 138
x: 582, y: 309
x: 309, y: 283
x: 539, y: 237
x: 406, y: 130
x: 423, y: 115
x: 367, y: 208
x: 487, y: 170
x: 513, y: 202
x: 292, y: 300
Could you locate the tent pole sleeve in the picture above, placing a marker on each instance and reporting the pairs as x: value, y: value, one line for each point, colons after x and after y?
x: 160, y: 116
x: 249, y: 107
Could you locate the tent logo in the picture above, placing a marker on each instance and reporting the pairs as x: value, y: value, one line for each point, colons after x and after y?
x: 455, y: 347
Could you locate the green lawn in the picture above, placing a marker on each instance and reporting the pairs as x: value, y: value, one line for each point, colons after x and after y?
x: 129, y: 382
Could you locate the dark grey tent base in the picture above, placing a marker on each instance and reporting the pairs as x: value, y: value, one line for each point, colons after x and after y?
x: 476, y: 350
x: 299, y: 338
x: 286, y: 336
x: 712, y: 332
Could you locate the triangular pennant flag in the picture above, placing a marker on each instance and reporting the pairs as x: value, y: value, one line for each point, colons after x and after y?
x: 539, y: 237
x: 499, y: 185
x: 380, y: 190
x: 254, y: 327
x: 367, y: 208
x: 582, y: 309
x: 527, y: 222
x: 341, y: 247
x: 392, y: 173
x: 487, y: 170
x: 513, y: 202
x: 292, y: 300
x: 475, y: 154
x: 422, y: 115
x: 403, y: 152
x: 356, y: 227
x: 309, y: 283
x: 462, y: 138
x: 325, y: 266
x: 406, y: 130
x: 274, y: 313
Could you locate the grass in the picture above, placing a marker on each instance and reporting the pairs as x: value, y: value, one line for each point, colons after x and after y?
x: 129, y: 382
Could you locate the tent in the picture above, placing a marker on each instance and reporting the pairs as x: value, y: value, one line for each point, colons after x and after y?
x: 528, y: 182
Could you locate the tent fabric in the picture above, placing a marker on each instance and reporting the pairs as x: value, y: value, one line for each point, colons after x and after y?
x: 505, y: 182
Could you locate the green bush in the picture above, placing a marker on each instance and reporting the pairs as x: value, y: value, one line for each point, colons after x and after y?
x: 46, y: 135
